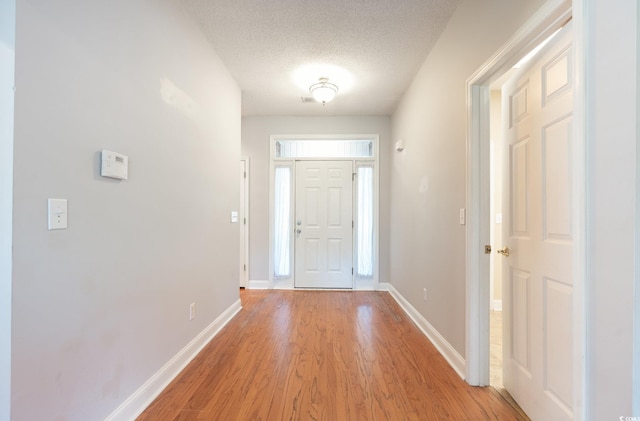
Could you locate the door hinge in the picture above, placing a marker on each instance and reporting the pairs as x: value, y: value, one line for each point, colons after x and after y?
x: 353, y: 176
x: 245, y: 174
x: 353, y: 225
x: 245, y: 221
x: 245, y: 268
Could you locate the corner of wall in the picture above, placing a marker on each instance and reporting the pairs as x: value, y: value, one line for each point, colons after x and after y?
x: 142, y: 398
x: 455, y: 360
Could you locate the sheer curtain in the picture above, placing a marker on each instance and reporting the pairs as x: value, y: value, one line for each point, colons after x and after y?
x: 282, y: 222
x: 365, y: 222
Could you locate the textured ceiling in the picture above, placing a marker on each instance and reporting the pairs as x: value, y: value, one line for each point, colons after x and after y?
x: 275, y: 49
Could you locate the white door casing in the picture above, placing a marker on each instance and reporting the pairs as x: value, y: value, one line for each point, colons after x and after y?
x: 7, y: 111
x: 324, y: 224
x: 244, y: 222
x: 537, y: 195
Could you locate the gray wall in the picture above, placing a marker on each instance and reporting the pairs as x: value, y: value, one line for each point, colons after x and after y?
x: 256, y: 132
x: 428, y: 183
x: 100, y: 307
x: 428, y: 179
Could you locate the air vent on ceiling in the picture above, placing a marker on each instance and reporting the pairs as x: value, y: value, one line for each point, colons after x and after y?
x: 306, y: 99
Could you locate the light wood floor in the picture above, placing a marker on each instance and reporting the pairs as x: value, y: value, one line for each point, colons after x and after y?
x: 316, y: 355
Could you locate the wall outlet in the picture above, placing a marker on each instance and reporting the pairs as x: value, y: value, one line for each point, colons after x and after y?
x: 424, y: 294
x: 192, y: 311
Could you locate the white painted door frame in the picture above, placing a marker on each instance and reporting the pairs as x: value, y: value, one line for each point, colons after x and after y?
x: 7, y: 80
x: 636, y: 304
x: 548, y: 19
x: 244, y: 222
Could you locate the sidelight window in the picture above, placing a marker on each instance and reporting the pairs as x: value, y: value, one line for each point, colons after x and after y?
x: 282, y: 223
x: 364, y: 217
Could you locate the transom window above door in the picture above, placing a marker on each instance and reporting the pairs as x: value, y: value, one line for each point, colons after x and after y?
x: 324, y: 148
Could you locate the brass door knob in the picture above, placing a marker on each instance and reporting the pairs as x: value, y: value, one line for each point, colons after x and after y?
x: 504, y: 252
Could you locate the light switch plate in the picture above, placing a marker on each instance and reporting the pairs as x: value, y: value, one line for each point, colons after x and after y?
x: 234, y: 217
x: 463, y: 216
x: 57, y: 214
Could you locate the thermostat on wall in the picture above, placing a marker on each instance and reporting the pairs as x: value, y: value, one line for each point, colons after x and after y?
x: 114, y: 165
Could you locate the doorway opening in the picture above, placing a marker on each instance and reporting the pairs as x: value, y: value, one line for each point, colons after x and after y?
x: 495, y: 237
x: 552, y: 16
x: 324, y: 212
x: 499, y: 113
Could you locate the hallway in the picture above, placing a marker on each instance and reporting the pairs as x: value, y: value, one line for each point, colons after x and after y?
x: 323, y: 355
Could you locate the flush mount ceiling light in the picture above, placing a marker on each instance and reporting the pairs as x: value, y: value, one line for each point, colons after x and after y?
x: 323, y: 91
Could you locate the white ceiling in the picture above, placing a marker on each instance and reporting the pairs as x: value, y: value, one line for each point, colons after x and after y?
x: 275, y: 49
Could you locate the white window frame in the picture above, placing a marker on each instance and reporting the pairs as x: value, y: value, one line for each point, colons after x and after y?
x: 369, y: 283
x: 7, y: 111
x: 371, y: 280
x: 272, y: 222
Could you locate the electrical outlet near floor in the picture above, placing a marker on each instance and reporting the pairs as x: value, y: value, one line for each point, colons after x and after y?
x: 192, y: 311
x: 424, y: 294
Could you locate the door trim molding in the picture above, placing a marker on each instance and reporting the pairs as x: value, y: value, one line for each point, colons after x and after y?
x: 636, y: 322
x: 553, y: 15
x: 244, y: 214
x: 7, y: 95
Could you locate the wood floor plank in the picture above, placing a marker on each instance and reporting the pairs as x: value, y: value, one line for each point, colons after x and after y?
x: 323, y: 355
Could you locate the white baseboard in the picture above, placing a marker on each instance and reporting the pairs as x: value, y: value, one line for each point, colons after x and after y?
x: 497, y: 305
x: 366, y: 285
x: 361, y: 285
x: 142, y: 398
x: 255, y: 284
x: 448, y: 352
x: 385, y: 286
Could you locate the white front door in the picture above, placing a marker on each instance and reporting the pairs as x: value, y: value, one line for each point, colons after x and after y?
x: 323, y: 224
x: 537, y: 195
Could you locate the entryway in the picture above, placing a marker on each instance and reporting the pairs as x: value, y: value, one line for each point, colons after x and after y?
x: 541, y: 241
x: 324, y: 224
x: 324, y: 212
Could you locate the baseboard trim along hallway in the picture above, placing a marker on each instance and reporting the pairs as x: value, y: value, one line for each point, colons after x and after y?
x: 145, y: 395
x: 142, y: 398
x: 448, y: 352
x: 331, y: 355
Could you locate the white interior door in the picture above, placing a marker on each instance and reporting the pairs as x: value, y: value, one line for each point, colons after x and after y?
x: 324, y: 224
x: 537, y: 194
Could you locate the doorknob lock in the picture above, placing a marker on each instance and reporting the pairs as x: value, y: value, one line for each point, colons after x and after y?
x: 504, y: 252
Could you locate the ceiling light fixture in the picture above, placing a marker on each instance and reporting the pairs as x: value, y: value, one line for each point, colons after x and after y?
x: 323, y: 91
